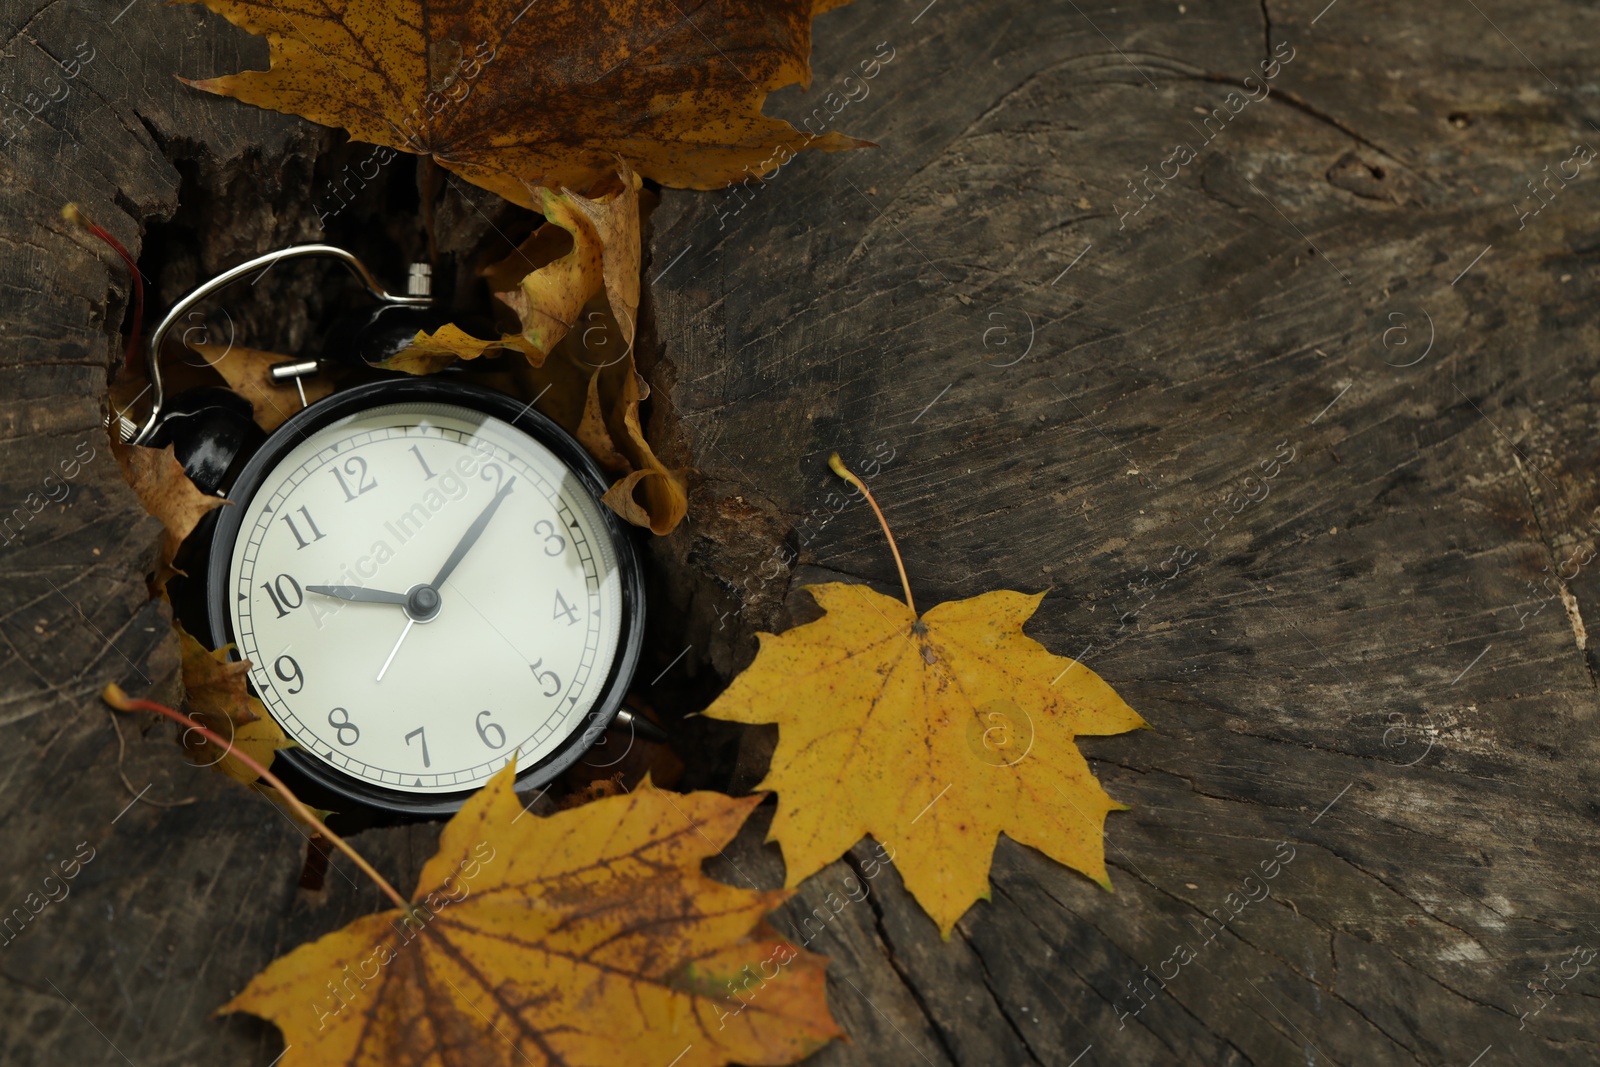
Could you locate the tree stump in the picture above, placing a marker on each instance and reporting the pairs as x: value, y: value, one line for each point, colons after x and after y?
x: 1260, y: 337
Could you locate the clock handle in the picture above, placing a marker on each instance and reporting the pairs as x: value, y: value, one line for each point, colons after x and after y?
x: 126, y: 429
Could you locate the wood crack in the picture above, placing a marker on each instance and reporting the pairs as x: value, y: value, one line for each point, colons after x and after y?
x: 994, y: 996
x: 906, y: 980
x: 1569, y: 600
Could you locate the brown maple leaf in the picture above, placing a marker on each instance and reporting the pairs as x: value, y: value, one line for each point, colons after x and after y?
x: 589, y: 936
x: 167, y: 493
x: 549, y: 92
x: 218, y: 697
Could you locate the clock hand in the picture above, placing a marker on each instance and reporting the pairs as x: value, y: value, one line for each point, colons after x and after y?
x: 358, y: 593
x: 385, y: 668
x: 470, y: 538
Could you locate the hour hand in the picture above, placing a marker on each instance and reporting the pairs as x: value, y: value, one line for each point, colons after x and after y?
x: 359, y: 593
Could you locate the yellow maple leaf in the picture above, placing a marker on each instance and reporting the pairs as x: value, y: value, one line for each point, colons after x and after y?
x: 934, y: 734
x: 590, y: 936
x: 502, y: 91
x: 605, y: 255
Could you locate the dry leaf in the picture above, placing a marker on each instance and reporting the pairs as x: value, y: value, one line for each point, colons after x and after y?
x: 601, y: 242
x: 430, y: 353
x: 162, y: 487
x: 507, y: 91
x: 217, y: 697
x: 590, y: 937
x: 605, y: 256
x: 167, y: 493
x: 577, y: 312
x: 933, y: 735
x: 246, y: 372
x: 594, y: 393
x: 597, y: 789
x: 652, y: 495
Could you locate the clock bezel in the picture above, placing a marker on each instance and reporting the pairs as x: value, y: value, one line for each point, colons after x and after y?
x: 521, y: 417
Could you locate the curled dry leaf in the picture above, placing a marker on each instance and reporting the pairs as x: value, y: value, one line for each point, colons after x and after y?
x: 246, y: 372
x: 167, y: 493
x: 590, y: 388
x: 651, y: 494
x: 590, y: 936
x: 933, y: 735
x: 217, y: 697
x: 577, y: 311
x: 605, y: 256
x: 504, y: 92
x: 429, y: 353
x: 599, y: 242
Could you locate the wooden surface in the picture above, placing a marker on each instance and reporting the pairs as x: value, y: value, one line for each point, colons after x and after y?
x: 1379, y: 667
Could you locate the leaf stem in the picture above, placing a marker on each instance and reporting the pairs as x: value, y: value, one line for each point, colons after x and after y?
x: 113, y: 695
x: 842, y: 471
x: 74, y: 214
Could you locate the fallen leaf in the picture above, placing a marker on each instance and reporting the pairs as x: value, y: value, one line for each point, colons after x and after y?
x: 598, y: 789
x: 504, y: 92
x: 167, y: 493
x: 590, y: 937
x: 584, y: 379
x: 246, y: 372
x: 607, y: 421
x: 431, y: 353
x: 218, y: 697
x: 934, y: 735
x: 605, y: 256
x: 626, y: 755
x: 600, y: 241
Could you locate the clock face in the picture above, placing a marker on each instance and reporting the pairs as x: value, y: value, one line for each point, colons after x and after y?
x: 425, y: 592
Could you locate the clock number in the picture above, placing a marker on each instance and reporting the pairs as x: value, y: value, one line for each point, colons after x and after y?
x: 565, y: 610
x: 418, y: 733
x: 363, y: 483
x: 426, y: 472
x: 341, y: 725
x: 280, y: 596
x: 291, y: 675
x: 555, y: 679
x: 499, y: 475
x: 483, y: 731
x: 316, y: 534
x: 550, y: 534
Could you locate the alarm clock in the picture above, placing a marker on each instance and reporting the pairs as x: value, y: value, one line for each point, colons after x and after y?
x: 420, y: 572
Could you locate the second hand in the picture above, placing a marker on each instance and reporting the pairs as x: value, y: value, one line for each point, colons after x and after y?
x: 381, y: 670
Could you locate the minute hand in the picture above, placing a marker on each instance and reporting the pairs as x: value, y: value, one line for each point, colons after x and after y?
x: 469, y: 538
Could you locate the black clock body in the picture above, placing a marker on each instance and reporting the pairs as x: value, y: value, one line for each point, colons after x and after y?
x: 203, y: 604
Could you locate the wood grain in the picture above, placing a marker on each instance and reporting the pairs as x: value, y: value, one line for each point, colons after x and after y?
x: 1376, y: 658
x: 1351, y: 661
